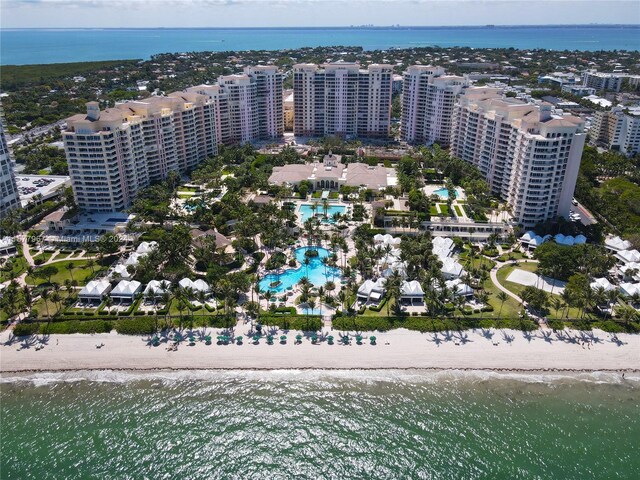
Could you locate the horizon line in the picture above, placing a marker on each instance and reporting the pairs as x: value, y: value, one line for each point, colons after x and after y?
x: 362, y: 26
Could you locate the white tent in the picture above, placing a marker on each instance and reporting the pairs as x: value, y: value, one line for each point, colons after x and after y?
x: 411, y: 291
x: 95, y: 290
x: 157, y: 288
x: 463, y: 290
x: 371, y: 290
x: 197, y: 286
x: 120, y: 270
x: 602, y: 282
x: 451, y: 269
x: 629, y: 256
x: 146, y: 247
x: 617, y: 244
x: 133, y: 259
x: 126, y: 289
x: 629, y: 289
x: 528, y: 236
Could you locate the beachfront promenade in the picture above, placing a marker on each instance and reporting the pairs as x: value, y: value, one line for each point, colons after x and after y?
x: 397, y: 349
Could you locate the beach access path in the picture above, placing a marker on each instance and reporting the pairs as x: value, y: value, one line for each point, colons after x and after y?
x: 397, y: 349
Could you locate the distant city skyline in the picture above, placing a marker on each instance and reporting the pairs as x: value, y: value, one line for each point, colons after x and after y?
x: 310, y: 13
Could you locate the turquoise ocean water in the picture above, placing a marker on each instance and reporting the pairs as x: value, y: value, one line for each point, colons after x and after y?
x: 29, y: 46
x: 320, y: 425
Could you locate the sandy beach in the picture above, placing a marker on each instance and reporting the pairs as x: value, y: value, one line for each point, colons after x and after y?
x: 397, y: 349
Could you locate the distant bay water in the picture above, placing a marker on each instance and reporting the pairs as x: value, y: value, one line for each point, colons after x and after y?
x: 35, y: 46
x: 320, y: 425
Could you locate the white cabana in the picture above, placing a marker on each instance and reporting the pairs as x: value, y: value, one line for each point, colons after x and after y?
x: 94, y: 290
x: 411, y: 291
x: 386, y: 239
x: 564, y: 240
x: 461, y: 289
x: 442, y: 246
x: 371, y: 290
x: 197, y: 286
x: 451, y: 269
x: 157, y: 288
x: 400, y: 267
x: 631, y: 269
x: 630, y: 289
x: 602, y: 283
x: 126, y: 290
x: 120, y: 270
x: 628, y: 256
x: 146, y: 247
x: 528, y: 236
x: 617, y: 244
x: 133, y: 259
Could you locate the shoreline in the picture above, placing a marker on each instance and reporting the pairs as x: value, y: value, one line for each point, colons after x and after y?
x: 400, y: 350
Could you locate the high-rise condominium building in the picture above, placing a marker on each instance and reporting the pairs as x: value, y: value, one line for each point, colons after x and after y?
x: 115, y: 152
x: 428, y: 99
x: 617, y: 129
x: 9, y: 197
x: 342, y: 99
x: 528, y: 156
x: 602, y: 81
x: 248, y: 106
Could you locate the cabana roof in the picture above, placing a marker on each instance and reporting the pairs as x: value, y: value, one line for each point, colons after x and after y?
x: 411, y: 289
x: 95, y: 289
x: 157, y: 288
x: 126, y: 288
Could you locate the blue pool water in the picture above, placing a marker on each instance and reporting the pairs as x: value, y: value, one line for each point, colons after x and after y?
x: 292, y: 276
x: 444, y: 193
x: 306, y: 211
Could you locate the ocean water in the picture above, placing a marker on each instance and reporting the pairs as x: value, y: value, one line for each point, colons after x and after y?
x: 319, y: 425
x: 32, y: 46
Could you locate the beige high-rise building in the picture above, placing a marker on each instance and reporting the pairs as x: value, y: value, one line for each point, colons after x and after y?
x: 617, y: 129
x: 342, y: 99
x: 428, y: 99
x: 529, y: 156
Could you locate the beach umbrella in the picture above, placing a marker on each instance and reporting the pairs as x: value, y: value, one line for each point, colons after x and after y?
x: 330, y: 339
x: 283, y: 339
x: 298, y: 338
x: 256, y: 339
x: 239, y: 339
x: 314, y: 338
x: 373, y: 339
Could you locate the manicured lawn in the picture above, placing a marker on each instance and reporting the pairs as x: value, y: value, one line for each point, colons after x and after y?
x: 53, y: 306
x: 44, y: 256
x: 433, y: 211
x: 444, y: 208
x: 459, y: 211
x: 81, y: 273
x: 18, y: 266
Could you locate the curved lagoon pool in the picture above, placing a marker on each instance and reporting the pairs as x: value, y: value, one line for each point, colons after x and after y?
x: 315, y: 272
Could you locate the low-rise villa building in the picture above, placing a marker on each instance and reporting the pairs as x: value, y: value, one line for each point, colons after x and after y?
x: 331, y: 174
x: 411, y: 292
x: 94, y: 291
x: 126, y: 290
x: 157, y: 288
x: 371, y: 291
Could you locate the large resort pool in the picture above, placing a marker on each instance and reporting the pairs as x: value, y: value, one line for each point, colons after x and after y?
x: 444, y: 193
x: 290, y: 277
x: 306, y: 212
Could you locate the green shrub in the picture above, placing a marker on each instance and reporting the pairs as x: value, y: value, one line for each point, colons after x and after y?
x: 25, y: 329
x: 76, y: 326
x: 136, y: 326
x: 609, y: 326
x: 555, y: 324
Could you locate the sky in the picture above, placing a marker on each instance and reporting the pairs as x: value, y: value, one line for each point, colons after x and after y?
x: 288, y: 13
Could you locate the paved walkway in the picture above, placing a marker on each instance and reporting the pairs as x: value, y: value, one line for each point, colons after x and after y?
x: 494, y: 278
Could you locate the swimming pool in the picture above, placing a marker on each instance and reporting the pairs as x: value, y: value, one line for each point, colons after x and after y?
x: 444, y: 193
x: 292, y: 276
x: 307, y: 212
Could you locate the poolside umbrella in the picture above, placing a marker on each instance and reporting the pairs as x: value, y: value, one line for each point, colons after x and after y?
x: 283, y: 339
x: 373, y: 339
x: 330, y: 339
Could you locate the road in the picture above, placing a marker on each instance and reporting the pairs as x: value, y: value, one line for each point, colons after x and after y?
x: 586, y: 218
x: 34, y: 132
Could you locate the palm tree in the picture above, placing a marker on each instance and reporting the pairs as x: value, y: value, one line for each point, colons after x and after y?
x: 45, y: 296
x: 70, y: 266
x: 311, y: 304
x: 557, y: 304
x: 91, y: 264
x: 503, y: 297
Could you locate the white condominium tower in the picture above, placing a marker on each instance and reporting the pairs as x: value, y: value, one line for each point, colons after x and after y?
x: 9, y: 197
x: 528, y: 156
x: 618, y: 129
x: 428, y: 99
x: 248, y: 105
x: 342, y: 99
